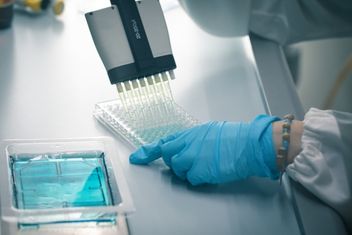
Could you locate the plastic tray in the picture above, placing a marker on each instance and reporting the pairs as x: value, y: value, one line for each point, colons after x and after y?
x: 62, y: 181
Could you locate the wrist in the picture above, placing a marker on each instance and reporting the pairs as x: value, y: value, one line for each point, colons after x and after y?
x: 262, y: 132
x: 295, y: 139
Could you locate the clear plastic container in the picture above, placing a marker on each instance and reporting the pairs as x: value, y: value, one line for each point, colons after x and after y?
x: 143, y: 123
x: 62, y: 181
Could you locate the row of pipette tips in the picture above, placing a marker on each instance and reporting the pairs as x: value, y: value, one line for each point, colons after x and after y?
x: 142, y: 82
x: 148, y: 102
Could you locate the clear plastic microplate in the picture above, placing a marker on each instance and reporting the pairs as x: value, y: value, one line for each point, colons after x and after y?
x: 62, y: 181
x: 143, y: 123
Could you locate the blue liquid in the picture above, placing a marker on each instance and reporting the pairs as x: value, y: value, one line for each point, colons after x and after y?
x: 60, y: 180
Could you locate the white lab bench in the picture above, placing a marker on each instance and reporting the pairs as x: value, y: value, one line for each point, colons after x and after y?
x: 51, y: 76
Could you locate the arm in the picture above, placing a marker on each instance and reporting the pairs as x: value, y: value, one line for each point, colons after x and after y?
x: 324, y: 165
x: 319, y: 154
x: 217, y: 152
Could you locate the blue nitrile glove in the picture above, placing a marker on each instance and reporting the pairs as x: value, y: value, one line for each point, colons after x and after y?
x: 216, y: 152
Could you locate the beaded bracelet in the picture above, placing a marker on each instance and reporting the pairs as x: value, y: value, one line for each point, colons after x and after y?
x: 285, y: 144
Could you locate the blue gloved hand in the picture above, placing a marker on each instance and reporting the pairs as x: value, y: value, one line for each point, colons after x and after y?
x: 216, y: 152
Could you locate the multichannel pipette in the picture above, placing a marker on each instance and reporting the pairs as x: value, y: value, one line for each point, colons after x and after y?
x: 133, y: 42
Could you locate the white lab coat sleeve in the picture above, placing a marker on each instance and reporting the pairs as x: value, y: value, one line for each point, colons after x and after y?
x: 290, y: 21
x: 324, y: 166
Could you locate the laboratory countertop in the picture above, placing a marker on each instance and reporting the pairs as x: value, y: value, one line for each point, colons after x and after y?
x: 51, y: 76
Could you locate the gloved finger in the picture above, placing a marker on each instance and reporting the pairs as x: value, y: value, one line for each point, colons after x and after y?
x: 146, y: 154
x: 150, y: 152
x: 172, y: 148
x: 200, y: 174
x: 180, y: 174
x: 182, y: 163
x: 205, y: 170
x: 194, y: 179
x: 204, y: 175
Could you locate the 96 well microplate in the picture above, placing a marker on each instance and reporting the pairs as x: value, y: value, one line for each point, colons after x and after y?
x: 143, y: 123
